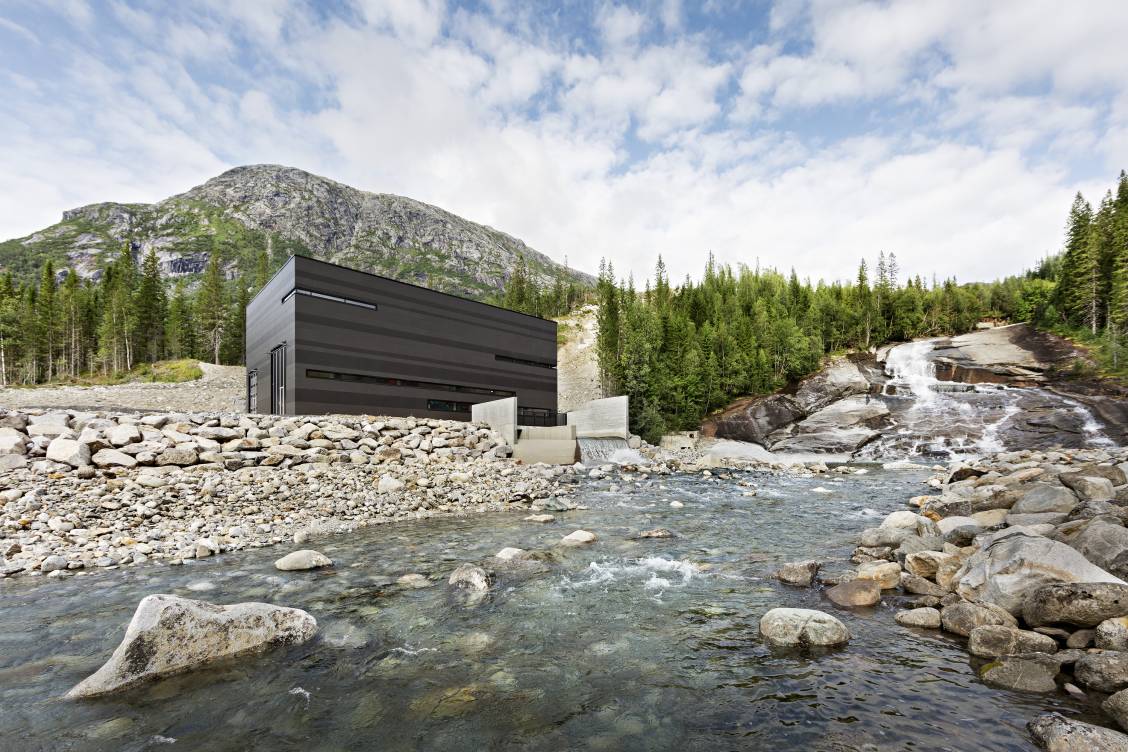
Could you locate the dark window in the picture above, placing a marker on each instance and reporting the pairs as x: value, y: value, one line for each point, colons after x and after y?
x: 538, y: 416
x: 522, y: 361
x: 448, y: 407
x: 366, y: 379
x: 252, y: 391
x: 278, y: 380
x: 325, y: 296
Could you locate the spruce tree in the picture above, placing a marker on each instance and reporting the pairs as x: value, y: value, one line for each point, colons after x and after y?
x: 149, y: 310
x: 211, y: 309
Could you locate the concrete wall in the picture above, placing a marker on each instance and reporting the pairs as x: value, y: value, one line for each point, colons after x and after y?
x: 602, y: 419
x: 548, y: 451
x: 500, y: 415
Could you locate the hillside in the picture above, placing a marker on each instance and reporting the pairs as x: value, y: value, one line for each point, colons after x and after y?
x: 286, y: 210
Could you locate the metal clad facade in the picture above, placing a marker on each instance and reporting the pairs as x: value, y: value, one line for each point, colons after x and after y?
x: 397, y: 349
x: 270, y: 322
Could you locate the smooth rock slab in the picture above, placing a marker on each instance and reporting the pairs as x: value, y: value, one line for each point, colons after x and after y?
x: 169, y: 635
x: 297, y: 561
x: 800, y: 627
x: 1056, y: 733
x: 69, y: 451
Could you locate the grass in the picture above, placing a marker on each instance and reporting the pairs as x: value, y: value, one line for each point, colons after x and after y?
x: 1107, y: 357
x: 164, y: 371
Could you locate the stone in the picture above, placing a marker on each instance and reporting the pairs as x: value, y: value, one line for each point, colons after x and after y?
x: 1046, y: 498
x: 415, y: 581
x: 69, y: 451
x: 993, y: 640
x: 1104, y: 672
x: 799, y: 573
x: 578, y: 538
x: 918, y: 585
x: 471, y: 577
x: 1056, y: 733
x: 52, y: 564
x: 170, y: 635
x: 540, y: 518
x: 297, y: 561
x: 1026, y: 672
x: 948, y: 524
x: 1088, y: 487
x: 1104, y: 544
x: 179, y: 457
x: 800, y: 627
x: 886, y: 574
x: 1116, y: 705
x: 855, y: 593
x: 511, y: 554
x: 1013, y: 564
x: 925, y: 563
x: 1079, y: 604
x: 923, y: 618
x: 206, y: 547
x: 990, y: 518
x: 1112, y: 634
x: 962, y: 618
x: 389, y: 484
x: 658, y: 532
x: 112, y: 458
x: 120, y: 435
x: 12, y: 441
x: 1082, y: 638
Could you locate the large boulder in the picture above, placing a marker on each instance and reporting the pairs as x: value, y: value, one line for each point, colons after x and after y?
x: 800, y: 627
x: 840, y: 378
x: 993, y: 640
x: 112, y: 458
x: 1117, y: 707
x: 1056, y: 733
x: 69, y: 451
x: 855, y: 593
x: 1046, y: 498
x: 1104, y: 672
x: 754, y: 419
x: 1105, y: 544
x: 799, y: 573
x: 844, y: 426
x: 169, y: 635
x: 1012, y: 564
x: 12, y: 441
x: 1089, y: 487
x: 962, y: 618
x: 923, y: 618
x: 1026, y: 672
x: 297, y: 561
x: 1112, y: 634
x: 1078, y: 604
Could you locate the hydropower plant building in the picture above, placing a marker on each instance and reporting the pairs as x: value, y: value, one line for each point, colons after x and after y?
x: 322, y: 338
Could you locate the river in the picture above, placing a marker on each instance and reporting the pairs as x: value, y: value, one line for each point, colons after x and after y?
x: 623, y: 645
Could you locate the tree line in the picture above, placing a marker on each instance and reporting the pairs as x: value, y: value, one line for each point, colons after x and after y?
x: 61, y: 327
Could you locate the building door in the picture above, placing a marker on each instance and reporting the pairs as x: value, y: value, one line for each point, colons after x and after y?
x: 278, y: 380
x: 252, y: 391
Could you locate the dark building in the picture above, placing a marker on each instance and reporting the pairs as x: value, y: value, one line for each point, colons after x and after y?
x: 322, y: 338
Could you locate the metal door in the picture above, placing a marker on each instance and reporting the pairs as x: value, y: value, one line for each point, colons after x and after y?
x: 278, y: 380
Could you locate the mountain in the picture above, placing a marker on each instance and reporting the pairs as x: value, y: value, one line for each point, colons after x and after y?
x: 286, y: 210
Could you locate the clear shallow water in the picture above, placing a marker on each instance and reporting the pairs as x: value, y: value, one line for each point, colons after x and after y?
x: 623, y: 645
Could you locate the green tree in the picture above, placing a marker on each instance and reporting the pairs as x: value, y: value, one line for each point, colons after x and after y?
x: 149, y: 310
x: 211, y: 308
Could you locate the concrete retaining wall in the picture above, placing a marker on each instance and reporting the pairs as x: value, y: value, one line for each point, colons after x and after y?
x: 602, y: 419
x: 500, y: 415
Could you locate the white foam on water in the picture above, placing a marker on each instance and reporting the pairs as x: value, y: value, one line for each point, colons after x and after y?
x: 910, y: 366
x: 820, y: 489
x: 408, y: 650
x: 301, y: 693
x: 158, y: 739
x: 201, y: 585
x: 675, y: 573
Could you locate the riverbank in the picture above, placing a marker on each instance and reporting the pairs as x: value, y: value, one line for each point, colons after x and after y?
x: 1025, y: 555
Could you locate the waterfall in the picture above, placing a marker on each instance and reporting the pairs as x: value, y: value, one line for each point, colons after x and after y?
x: 909, y: 366
x: 602, y: 451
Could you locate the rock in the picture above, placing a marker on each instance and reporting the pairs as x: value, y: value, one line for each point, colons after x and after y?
x: 1112, y: 634
x: 948, y: 524
x: 1117, y: 706
x: 389, y: 485
x: 990, y: 518
x: 1046, y: 498
x: 905, y: 519
x: 511, y: 554
x: 800, y: 627
x: 471, y: 577
x: 923, y: 618
x: 297, y: 561
x: 179, y: 457
x: 1074, y: 603
x: 1082, y: 638
x: 876, y: 537
x: 578, y: 538
x: 12, y: 441
x: 540, y: 518
x: 206, y: 547
x: 121, y: 435
x: 675, y: 504
x: 1104, y: 672
x: 414, y: 580
x: 799, y: 573
x: 1056, y: 733
x: 925, y: 563
x: 1013, y: 564
x: 855, y: 593
x: 993, y: 640
x: 1026, y: 672
x: 918, y: 585
x: 1089, y: 488
x: 52, y: 564
x: 169, y: 635
x: 112, y: 458
x: 69, y: 451
x: 1105, y: 545
x: 840, y: 378
x: 658, y: 532
x: 963, y: 617
x: 754, y: 419
x: 886, y: 574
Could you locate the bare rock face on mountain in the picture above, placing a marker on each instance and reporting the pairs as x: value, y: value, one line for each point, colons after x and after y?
x: 286, y: 210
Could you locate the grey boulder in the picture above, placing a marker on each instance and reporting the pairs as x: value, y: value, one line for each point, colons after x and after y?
x: 1104, y: 544
x: 800, y: 627
x: 169, y: 635
x: 297, y: 561
x: 69, y: 451
x: 1080, y: 604
x: 800, y: 573
x: 1056, y: 733
x: 1046, y: 498
x: 962, y: 618
x: 1104, y: 672
x: 994, y: 640
x: 1027, y: 672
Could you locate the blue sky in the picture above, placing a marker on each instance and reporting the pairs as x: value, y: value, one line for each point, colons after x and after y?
x: 800, y: 133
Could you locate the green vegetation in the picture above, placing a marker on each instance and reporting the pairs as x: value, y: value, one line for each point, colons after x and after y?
x: 523, y: 293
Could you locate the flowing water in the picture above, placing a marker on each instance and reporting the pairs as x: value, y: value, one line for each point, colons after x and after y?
x: 945, y: 419
x: 624, y: 645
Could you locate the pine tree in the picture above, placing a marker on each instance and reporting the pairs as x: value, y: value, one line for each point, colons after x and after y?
x: 211, y: 309
x: 149, y: 309
x: 180, y: 328
x: 47, y: 317
x: 1077, y: 269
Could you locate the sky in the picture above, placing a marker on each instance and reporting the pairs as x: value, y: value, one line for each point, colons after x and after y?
x: 796, y: 134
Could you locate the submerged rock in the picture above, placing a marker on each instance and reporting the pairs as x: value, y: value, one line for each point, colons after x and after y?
x: 1028, y: 672
x: 1056, y: 733
x: 297, y: 561
x: 578, y: 538
x: 471, y: 577
x: 800, y: 627
x: 799, y: 573
x: 169, y: 635
x: 658, y: 532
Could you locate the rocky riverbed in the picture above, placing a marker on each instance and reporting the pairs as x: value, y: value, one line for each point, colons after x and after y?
x: 1024, y: 555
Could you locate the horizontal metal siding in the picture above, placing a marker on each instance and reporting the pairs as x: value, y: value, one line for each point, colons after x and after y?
x: 270, y: 322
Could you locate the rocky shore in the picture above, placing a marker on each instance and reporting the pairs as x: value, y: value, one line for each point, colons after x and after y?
x: 1024, y: 555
